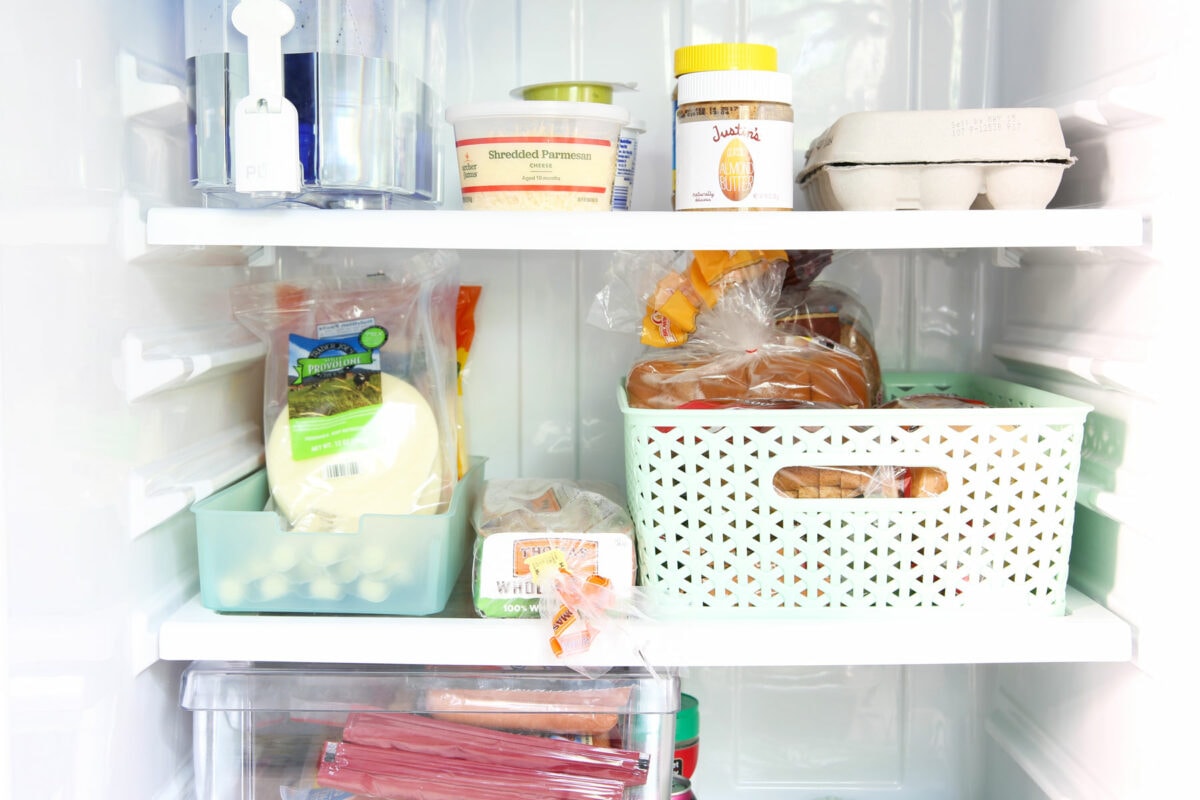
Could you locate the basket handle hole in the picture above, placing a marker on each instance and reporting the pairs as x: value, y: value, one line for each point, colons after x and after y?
x: 842, y: 482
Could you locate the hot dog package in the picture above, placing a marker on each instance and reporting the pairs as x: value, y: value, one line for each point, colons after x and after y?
x: 412, y: 757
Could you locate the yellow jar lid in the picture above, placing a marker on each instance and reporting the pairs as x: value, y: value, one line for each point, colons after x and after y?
x: 725, y: 55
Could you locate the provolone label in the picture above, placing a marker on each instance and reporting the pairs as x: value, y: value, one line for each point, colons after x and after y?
x: 334, y: 388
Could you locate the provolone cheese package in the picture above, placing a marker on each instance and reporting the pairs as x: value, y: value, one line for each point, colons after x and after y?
x: 360, y: 393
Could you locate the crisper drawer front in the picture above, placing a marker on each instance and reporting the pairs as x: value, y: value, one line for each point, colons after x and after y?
x: 320, y: 732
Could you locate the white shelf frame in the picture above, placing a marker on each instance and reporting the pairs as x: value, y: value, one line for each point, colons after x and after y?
x: 1087, y: 632
x: 645, y: 230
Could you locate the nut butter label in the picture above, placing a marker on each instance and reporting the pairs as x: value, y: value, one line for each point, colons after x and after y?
x: 726, y: 164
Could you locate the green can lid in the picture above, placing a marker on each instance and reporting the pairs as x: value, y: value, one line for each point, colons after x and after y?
x: 687, y: 718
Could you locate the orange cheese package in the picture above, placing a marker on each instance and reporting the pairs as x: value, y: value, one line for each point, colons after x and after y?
x: 468, y: 298
x: 659, y: 296
x: 680, y: 297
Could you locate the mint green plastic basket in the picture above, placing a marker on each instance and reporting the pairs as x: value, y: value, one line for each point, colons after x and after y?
x: 402, y: 565
x: 714, y: 535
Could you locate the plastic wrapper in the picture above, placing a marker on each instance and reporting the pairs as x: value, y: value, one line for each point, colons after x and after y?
x: 679, y: 298
x: 359, y: 402
x: 804, y: 267
x: 550, y: 505
x: 557, y: 549
x: 317, y: 793
x: 464, y: 335
x: 573, y: 561
x: 585, y: 712
x: 836, y: 482
x: 577, y: 605
x: 738, y: 354
x: 937, y: 402
x: 519, y: 519
x: 841, y: 482
x: 934, y: 401
x: 660, y: 295
x: 426, y: 737
x: 836, y: 313
x: 620, y: 305
x: 401, y: 775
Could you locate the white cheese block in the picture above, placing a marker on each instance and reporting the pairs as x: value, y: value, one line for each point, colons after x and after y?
x: 399, y: 474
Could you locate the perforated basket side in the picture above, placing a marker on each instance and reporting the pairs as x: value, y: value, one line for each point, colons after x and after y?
x: 714, y: 534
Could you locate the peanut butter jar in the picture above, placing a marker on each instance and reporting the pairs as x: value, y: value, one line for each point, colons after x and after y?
x: 733, y: 141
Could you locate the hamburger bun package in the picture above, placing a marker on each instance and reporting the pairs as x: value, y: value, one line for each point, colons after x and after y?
x: 737, y: 354
x: 360, y: 394
x: 834, y: 312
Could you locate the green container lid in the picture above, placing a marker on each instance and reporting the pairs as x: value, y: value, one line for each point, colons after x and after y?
x: 572, y: 91
x: 687, y: 718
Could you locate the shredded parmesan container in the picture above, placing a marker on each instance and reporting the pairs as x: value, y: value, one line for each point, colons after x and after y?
x: 733, y: 140
x: 537, y: 154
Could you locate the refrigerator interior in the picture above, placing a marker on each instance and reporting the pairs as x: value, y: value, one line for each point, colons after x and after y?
x: 153, y: 397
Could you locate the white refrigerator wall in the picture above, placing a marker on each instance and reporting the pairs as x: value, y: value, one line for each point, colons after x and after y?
x: 1111, y: 328
x: 127, y: 389
x: 538, y: 362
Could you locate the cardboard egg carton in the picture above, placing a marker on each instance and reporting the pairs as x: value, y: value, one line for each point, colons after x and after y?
x: 1005, y: 158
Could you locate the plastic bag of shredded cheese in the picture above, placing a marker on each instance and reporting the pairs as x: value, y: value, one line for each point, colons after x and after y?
x: 360, y: 394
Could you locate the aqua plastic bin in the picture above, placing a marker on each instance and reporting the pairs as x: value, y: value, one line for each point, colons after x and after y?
x: 403, y: 565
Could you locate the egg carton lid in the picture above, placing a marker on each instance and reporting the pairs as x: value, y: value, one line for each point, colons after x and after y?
x: 980, y: 135
x: 960, y: 186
